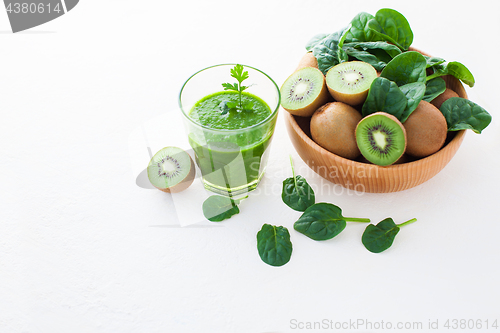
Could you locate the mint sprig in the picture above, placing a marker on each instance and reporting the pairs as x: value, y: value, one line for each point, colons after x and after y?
x: 240, y: 75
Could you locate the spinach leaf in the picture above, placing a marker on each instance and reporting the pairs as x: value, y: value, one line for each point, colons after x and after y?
x: 384, y: 95
x: 391, y: 50
x: 315, y: 40
x: 329, y: 51
x: 433, y: 61
x: 434, y: 88
x: 323, y: 221
x: 274, y: 245
x: 391, y: 26
x: 460, y: 113
x: 217, y: 208
x: 377, y: 54
x: 461, y: 72
x: 357, y: 32
x: 378, y: 238
x: 297, y: 194
x: 408, y: 67
x: 414, y: 93
x: 454, y: 68
x: 366, y: 56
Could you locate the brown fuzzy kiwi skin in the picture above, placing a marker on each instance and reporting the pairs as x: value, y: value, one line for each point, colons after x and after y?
x: 396, y: 120
x: 333, y: 126
x: 439, y: 100
x: 426, y: 130
x: 308, y: 60
x: 308, y: 110
x: 185, y: 183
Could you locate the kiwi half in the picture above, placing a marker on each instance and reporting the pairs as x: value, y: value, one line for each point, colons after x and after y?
x: 381, y: 138
x: 350, y: 81
x: 304, y: 91
x: 171, y: 170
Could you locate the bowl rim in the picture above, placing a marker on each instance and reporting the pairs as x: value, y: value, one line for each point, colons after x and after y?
x: 458, y: 137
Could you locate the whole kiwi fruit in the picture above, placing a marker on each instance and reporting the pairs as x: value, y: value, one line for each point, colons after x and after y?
x: 440, y: 99
x: 333, y: 126
x: 426, y: 130
x: 308, y: 60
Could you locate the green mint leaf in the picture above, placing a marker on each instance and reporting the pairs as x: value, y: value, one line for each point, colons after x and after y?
x: 274, y: 245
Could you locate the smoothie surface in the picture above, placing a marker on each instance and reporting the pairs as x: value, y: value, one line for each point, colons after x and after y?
x: 207, y: 111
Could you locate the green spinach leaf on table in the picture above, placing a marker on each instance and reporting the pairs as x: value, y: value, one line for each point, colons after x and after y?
x: 274, y: 245
x: 323, y: 221
x: 296, y: 193
x: 378, y: 238
x: 217, y: 208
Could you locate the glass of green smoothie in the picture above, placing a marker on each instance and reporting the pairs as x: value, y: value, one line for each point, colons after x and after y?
x: 230, y: 113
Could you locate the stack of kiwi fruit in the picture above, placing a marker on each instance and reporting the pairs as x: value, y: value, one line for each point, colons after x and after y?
x: 333, y: 102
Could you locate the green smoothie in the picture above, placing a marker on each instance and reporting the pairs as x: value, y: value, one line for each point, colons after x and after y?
x: 234, y: 152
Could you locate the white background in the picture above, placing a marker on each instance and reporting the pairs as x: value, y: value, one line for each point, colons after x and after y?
x: 84, y: 249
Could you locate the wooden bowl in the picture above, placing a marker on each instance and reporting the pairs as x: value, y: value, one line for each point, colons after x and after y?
x: 364, y: 177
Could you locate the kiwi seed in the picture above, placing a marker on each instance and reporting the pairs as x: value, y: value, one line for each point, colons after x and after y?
x: 439, y: 100
x: 350, y: 81
x: 333, y: 126
x: 381, y: 138
x: 426, y: 129
x: 171, y: 170
x: 304, y: 91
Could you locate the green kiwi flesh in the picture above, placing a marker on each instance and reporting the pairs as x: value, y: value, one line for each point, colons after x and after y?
x: 304, y: 91
x: 171, y: 170
x: 381, y: 138
x: 350, y: 81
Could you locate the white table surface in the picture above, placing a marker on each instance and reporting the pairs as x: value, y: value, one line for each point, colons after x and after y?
x: 84, y: 249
